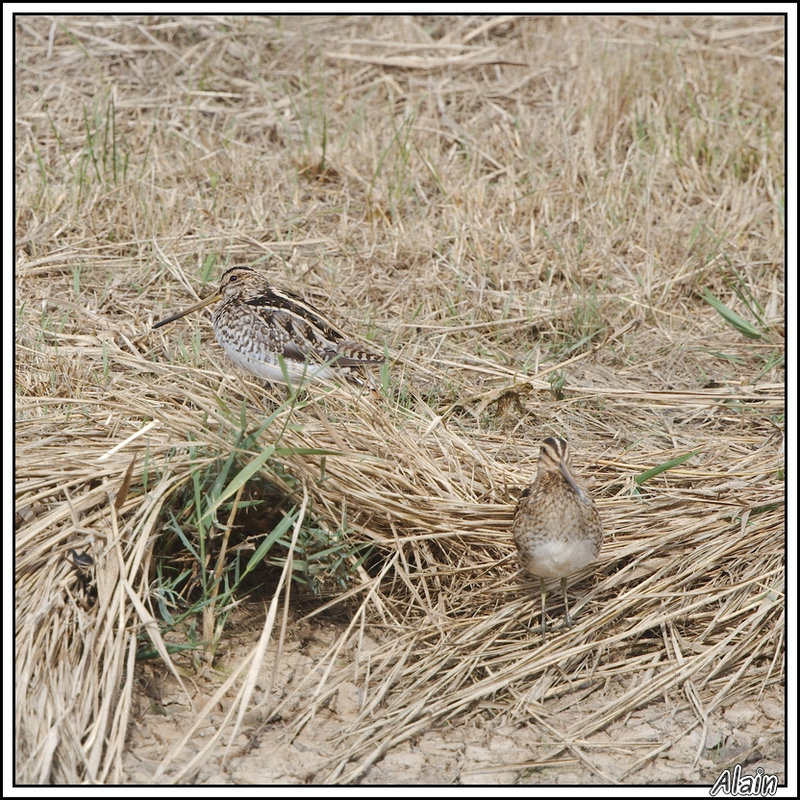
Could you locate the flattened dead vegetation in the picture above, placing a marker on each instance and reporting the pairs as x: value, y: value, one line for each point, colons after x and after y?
x: 552, y: 226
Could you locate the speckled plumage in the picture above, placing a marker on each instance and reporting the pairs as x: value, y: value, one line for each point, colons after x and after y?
x: 556, y: 526
x: 258, y: 325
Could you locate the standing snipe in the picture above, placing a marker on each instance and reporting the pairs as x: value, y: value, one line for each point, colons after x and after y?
x: 277, y: 335
x: 556, y: 526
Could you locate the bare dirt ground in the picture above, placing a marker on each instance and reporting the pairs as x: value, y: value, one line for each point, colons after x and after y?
x: 551, y: 226
x: 485, y: 749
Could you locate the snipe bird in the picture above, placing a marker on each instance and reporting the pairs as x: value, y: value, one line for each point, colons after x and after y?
x: 275, y: 334
x: 556, y: 526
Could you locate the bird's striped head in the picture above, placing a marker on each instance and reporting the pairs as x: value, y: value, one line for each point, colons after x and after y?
x: 555, y: 458
x: 554, y: 450
x: 242, y: 283
x: 236, y: 283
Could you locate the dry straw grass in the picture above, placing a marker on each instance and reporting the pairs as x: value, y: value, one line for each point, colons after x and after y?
x: 526, y: 213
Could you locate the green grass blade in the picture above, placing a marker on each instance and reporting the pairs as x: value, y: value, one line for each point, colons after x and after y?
x: 241, y: 478
x: 279, y: 530
x: 653, y: 471
x: 732, y: 318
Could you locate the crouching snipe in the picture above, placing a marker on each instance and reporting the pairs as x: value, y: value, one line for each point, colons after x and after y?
x: 276, y: 335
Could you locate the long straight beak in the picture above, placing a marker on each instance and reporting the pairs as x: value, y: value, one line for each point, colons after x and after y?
x: 196, y: 307
x: 571, y: 481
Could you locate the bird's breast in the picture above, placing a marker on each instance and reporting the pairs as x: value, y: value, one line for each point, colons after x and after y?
x: 557, y: 559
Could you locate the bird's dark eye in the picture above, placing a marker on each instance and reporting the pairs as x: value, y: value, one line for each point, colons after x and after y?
x: 234, y: 277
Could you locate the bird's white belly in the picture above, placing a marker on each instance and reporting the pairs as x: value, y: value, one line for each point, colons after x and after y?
x: 560, y: 558
x: 271, y: 369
